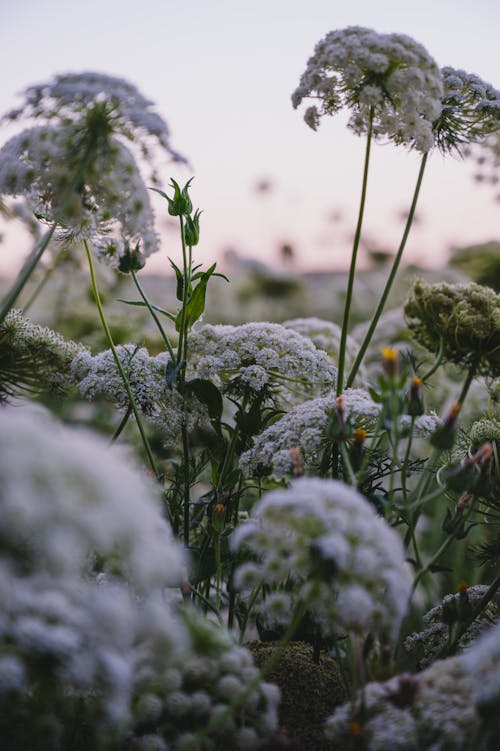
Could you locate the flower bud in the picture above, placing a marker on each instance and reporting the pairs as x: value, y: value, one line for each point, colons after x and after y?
x: 390, y: 361
x: 218, y: 518
x: 131, y: 260
x: 444, y: 435
x: 192, y: 229
x: 415, y: 404
x: 180, y: 204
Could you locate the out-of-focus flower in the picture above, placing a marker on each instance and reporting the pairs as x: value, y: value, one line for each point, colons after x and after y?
x: 324, y: 541
x: 73, y: 165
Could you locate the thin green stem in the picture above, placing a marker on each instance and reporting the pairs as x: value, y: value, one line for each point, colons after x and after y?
x: 352, y: 270
x: 218, y: 571
x: 119, y: 366
x: 437, y: 362
x: 467, y: 383
x: 163, y: 335
x: 391, y: 277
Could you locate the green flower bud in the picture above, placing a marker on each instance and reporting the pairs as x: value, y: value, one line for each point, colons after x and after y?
x: 180, y: 204
x: 192, y: 229
x: 131, y: 260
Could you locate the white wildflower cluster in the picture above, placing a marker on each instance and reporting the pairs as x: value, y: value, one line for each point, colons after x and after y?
x: 324, y: 541
x: 68, y: 501
x: 73, y: 166
x: 431, y: 710
x: 470, y: 110
x: 325, y: 335
x: 304, y: 428
x: 81, y: 536
x: 390, y: 75
x: 454, y: 608
x: 47, y: 350
x: 99, y: 377
x: 481, y: 662
x: 255, y: 357
x: 181, y: 696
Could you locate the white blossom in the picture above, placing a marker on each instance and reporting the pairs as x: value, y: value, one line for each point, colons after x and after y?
x: 253, y: 357
x: 363, y: 70
x: 99, y: 377
x: 65, y: 497
x: 482, y: 664
x: 314, y: 537
x: 72, y: 165
x: 431, y: 710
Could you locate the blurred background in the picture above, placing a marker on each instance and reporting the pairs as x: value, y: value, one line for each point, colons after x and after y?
x: 221, y: 73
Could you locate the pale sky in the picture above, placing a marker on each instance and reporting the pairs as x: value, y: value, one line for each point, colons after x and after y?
x: 221, y: 73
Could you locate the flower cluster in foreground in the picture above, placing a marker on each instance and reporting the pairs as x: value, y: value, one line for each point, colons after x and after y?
x: 324, y: 541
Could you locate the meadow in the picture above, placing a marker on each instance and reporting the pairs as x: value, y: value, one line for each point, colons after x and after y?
x: 251, y: 509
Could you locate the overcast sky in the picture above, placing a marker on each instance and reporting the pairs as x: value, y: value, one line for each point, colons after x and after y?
x: 222, y: 72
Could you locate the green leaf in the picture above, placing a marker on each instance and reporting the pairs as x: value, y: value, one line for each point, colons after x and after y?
x: 208, y: 394
x: 141, y: 304
x: 180, y: 281
x: 196, y: 303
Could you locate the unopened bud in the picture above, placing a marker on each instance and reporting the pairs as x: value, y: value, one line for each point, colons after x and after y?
x: 192, y: 229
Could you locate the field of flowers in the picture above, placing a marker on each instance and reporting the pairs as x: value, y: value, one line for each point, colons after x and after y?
x: 229, y: 520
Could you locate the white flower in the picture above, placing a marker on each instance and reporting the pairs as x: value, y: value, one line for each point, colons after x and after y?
x: 258, y: 356
x: 470, y: 111
x: 164, y: 407
x: 311, y: 537
x: 482, y: 664
x: 361, y: 69
x: 430, y: 710
x: 65, y: 497
x: 325, y: 335
x: 303, y: 428
x: 72, y: 166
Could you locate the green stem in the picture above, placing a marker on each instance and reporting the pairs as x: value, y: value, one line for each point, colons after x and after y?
x: 119, y: 366
x: 437, y: 362
x: 25, y: 273
x: 218, y: 571
x: 357, y: 237
x: 392, y: 275
x: 154, y: 316
x: 122, y: 424
x: 465, y: 388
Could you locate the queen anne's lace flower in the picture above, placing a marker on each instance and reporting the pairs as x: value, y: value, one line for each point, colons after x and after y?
x: 363, y: 70
x: 325, y: 335
x: 470, y: 111
x: 481, y: 663
x: 73, y: 166
x: 67, y: 499
x: 464, y: 317
x: 303, y: 428
x: 182, y: 695
x: 163, y: 406
x: 324, y: 541
x: 431, y: 710
x: 257, y: 356
x: 51, y: 354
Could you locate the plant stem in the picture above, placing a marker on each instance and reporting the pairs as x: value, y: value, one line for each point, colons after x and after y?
x: 392, y: 275
x: 119, y: 366
x: 154, y: 316
x: 350, y: 282
x: 465, y: 388
x: 25, y: 273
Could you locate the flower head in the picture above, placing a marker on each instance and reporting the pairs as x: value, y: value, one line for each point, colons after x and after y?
x: 325, y: 542
x: 470, y: 110
x: 465, y: 317
x: 78, y: 162
x: 390, y: 75
x: 255, y: 357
